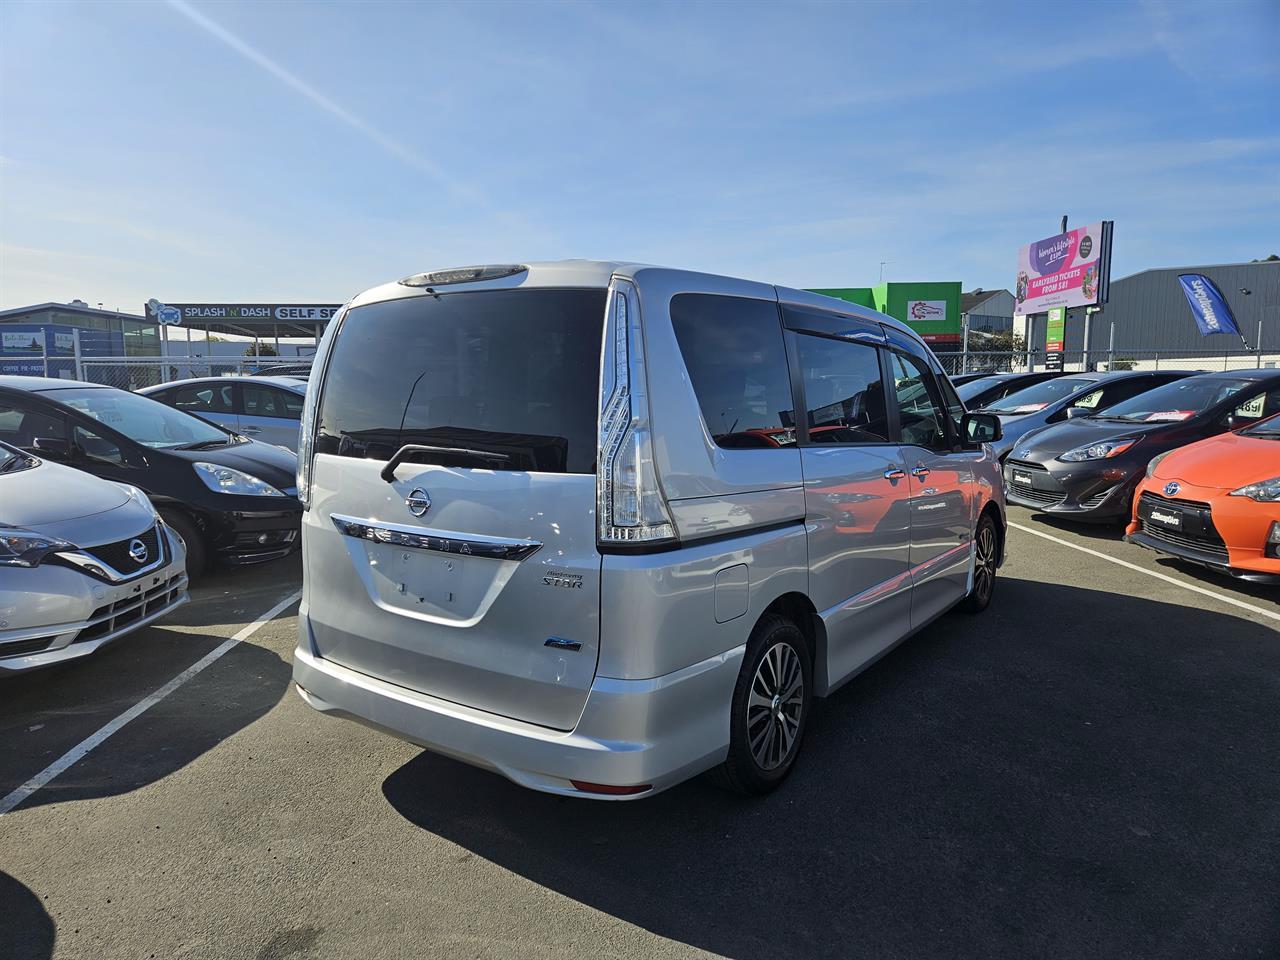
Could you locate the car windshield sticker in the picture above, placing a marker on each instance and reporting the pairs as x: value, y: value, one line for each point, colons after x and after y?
x: 1168, y: 416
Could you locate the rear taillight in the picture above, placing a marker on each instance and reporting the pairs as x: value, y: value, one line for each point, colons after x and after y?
x: 307, y: 426
x: 630, y: 507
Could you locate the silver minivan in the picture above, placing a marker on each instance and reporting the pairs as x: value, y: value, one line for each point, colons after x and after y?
x: 600, y: 527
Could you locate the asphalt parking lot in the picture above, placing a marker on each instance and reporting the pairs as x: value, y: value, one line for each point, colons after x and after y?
x: 1087, y: 770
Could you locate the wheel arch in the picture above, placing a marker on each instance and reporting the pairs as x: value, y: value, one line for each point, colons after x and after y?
x: 799, y: 609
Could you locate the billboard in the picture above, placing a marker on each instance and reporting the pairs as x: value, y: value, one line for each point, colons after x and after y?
x: 1072, y: 269
x: 240, y: 314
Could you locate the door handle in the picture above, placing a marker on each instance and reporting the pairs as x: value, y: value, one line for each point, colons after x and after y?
x: 251, y: 430
x: 894, y: 473
x: 920, y: 472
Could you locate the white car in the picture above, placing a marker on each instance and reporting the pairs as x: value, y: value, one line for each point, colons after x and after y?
x: 83, y: 561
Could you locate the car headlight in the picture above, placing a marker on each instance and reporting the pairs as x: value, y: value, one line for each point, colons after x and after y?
x: 226, y: 480
x: 1155, y: 462
x: 1264, y: 491
x: 1102, y: 450
x: 22, y: 548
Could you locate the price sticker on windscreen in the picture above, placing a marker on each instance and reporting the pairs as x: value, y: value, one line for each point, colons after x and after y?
x: 1254, y: 407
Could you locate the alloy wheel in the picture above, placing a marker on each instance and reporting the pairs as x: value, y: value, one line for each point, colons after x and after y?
x: 984, y: 571
x: 775, y: 706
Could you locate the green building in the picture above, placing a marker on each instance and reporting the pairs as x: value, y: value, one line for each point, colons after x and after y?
x: 931, y: 309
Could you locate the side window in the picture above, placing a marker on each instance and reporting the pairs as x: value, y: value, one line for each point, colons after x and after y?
x: 843, y: 390
x: 96, y: 447
x: 21, y: 424
x: 1255, y: 408
x: 291, y: 404
x: 950, y: 399
x: 263, y: 401
x: 201, y: 398
x: 1090, y: 400
x: 921, y: 415
x: 733, y: 350
x: 1127, y: 388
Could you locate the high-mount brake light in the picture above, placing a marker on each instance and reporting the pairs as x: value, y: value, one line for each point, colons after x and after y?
x: 441, y: 278
x: 630, y: 506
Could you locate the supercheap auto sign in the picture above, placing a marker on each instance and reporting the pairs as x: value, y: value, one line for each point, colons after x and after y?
x: 242, y: 314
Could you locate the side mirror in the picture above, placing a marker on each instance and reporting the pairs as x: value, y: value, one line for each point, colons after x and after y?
x: 981, y: 428
x: 1075, y: 413
x: 55, y: 448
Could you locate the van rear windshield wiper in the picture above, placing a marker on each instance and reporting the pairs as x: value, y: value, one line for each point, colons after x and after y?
x: 412, y: 450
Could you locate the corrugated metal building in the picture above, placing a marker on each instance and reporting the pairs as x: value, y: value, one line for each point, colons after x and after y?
x: 987, y: 311
x: 1151, y: 313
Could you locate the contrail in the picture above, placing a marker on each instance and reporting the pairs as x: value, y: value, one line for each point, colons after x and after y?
x: 390, y: 144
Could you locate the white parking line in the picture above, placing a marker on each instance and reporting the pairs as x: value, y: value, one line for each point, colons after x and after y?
x: 1152, y: 573
x: 81, y: 749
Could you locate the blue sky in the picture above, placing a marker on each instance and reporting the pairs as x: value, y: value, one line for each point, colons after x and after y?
x: 284, y: 151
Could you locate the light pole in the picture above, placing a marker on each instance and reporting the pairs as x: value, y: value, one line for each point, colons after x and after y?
x: 883, y: 263
x: 1257, y: 344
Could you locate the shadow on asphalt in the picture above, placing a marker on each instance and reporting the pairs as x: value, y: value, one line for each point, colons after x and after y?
x: 1115, y: 533
x: 1095, y: 785
x: 59, y: 707
x: 26, y: 930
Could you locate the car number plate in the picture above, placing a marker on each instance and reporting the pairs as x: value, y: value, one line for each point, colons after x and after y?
x: 1166, y: 518
x: 1019, y: 477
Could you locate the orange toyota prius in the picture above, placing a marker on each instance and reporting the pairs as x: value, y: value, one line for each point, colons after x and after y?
x: 1216, y: 502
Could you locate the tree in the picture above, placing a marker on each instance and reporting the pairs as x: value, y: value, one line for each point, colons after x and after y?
x: 1006, y: 341
x: 264, y: 350
x: 1267, y: 259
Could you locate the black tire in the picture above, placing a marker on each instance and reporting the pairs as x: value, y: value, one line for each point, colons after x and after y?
x: 754, y: 772
x: 192, y: 538
x: 986, y: 560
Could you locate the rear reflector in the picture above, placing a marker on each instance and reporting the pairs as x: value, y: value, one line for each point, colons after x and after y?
x: 609, y: 789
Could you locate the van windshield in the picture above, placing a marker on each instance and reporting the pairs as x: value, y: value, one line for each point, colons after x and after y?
x: 510, y: 372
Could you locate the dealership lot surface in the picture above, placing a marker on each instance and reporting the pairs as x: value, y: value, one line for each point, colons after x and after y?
x: 1088, y: 769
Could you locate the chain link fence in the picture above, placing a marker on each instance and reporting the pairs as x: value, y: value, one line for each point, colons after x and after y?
x: 133, y: 373
x: 1101, y: 360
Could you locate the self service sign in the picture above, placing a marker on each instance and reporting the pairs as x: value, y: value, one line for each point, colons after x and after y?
x: 241, y: 314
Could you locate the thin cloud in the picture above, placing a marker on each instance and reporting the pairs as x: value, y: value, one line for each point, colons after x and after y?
x: 392, y: 146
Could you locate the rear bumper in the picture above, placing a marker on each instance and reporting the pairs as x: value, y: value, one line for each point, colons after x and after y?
x: 655, y: 732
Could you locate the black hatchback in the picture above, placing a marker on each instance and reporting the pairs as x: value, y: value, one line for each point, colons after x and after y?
x: 1087, y: 468
x: 232, y: 499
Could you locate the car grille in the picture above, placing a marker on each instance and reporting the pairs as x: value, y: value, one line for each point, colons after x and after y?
x: 1198, y: 531
x: 116, y: 555
x: 115, y: 616
x: 1025, y: 491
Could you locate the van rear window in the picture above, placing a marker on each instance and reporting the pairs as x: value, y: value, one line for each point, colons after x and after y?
x: 512, y: 372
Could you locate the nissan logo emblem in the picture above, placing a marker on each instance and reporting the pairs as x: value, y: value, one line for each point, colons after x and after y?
x: 1171, y: 488
x: 418, y: 502
x: 138, y: 550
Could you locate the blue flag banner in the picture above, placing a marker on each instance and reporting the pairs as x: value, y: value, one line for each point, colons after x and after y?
x: 1208, y: 305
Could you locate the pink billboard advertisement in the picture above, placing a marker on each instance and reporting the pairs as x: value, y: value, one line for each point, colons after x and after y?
x: 1069, y: 270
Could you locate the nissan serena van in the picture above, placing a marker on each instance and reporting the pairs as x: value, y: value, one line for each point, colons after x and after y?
x: 600, y: 527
